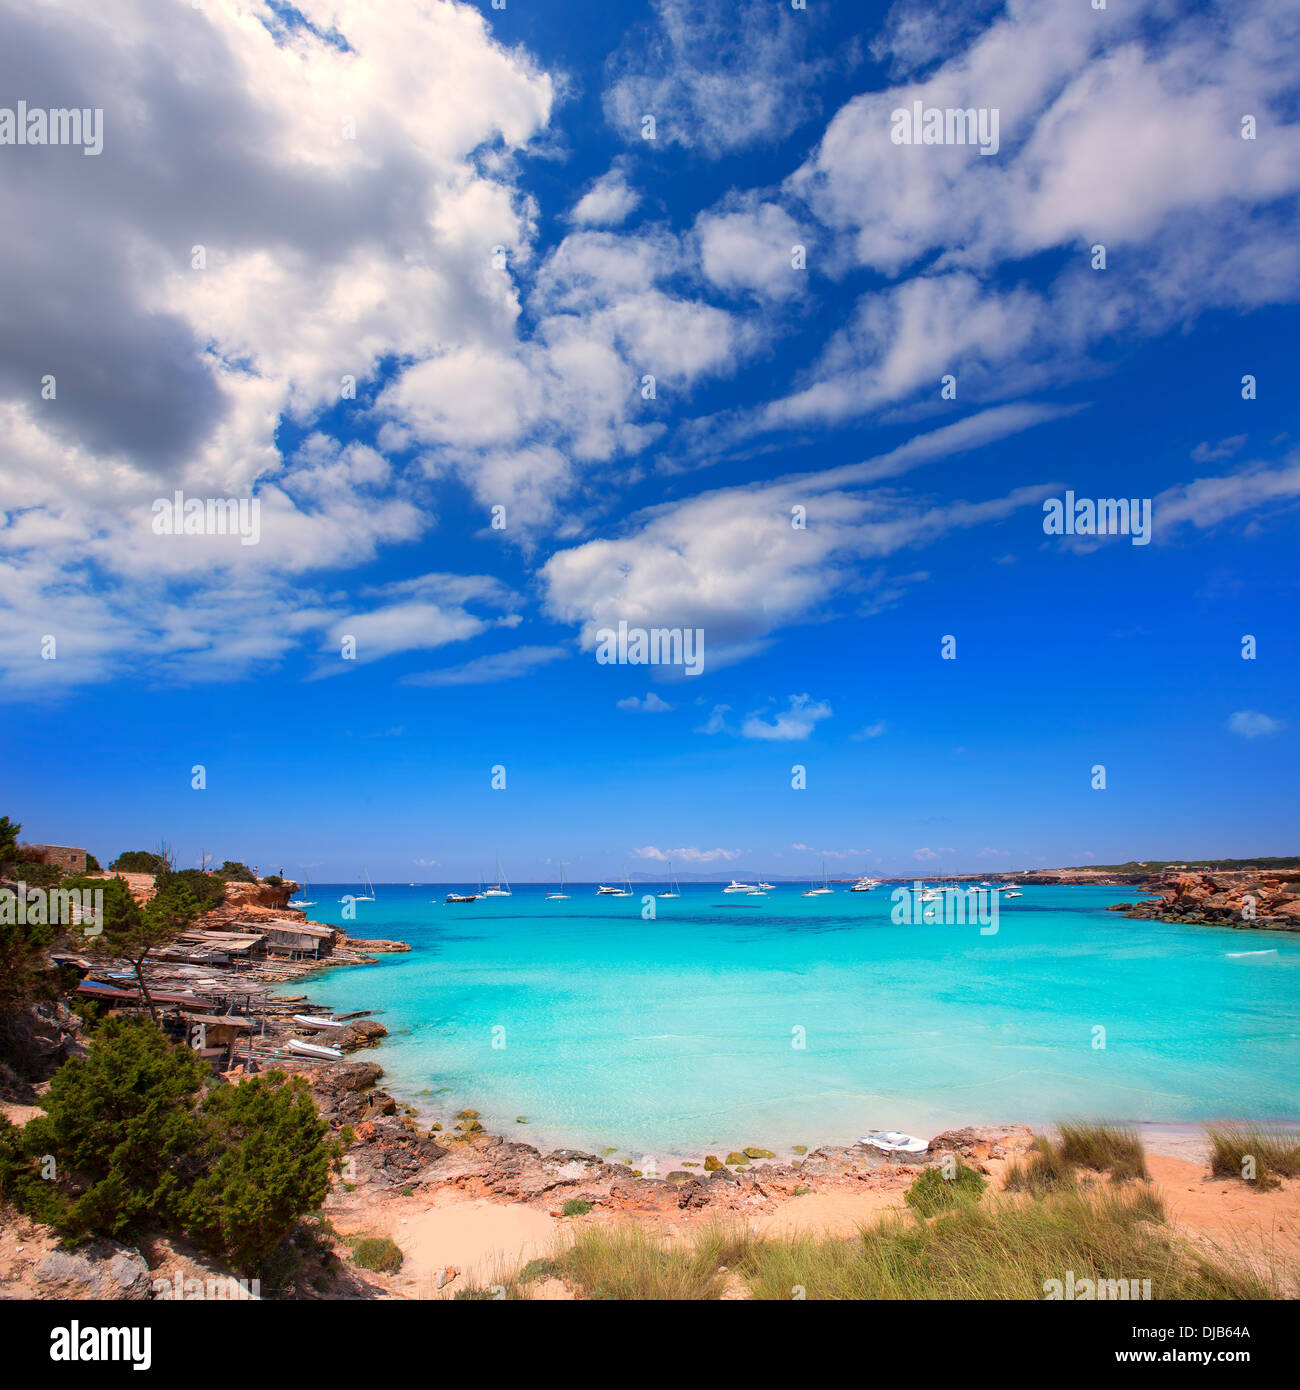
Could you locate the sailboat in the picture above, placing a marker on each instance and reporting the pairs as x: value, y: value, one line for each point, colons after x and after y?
x: 304, y: 901
x: 674, y: 888
x: 369, y: 895
x: 825, y: 888
x: 561, y: 895
x: 501, y: 889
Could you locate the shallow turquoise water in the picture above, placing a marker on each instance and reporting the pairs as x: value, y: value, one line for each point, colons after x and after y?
x: 681, y: 1034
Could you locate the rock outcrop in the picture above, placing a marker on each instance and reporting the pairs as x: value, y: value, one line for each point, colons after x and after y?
x: 101, y: 1270
x: 1230, y: 898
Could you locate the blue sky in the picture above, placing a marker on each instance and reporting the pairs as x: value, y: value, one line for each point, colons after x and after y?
x: 456, y: 207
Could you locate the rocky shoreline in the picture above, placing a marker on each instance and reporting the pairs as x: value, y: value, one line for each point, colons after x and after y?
x: 1268, y: 901
x: 391, y: 1152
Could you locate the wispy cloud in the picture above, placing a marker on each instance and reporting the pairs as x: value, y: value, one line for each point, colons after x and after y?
x: 796, y: 721
x: 651, y: 704
x: 499, y: 666
x: 1250, y: 723
x: 687, y: 854
x: 716, y: 723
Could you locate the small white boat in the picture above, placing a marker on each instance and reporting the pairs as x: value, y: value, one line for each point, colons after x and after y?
x: 308, y: 1049
x: 766, y: 887
x: 310, y: 1021
x: 894, y: 1141
x: 734, y: 887
x: 459, y: 898
x: 674, y: 888
x: 864, y: 885
x: 1013, y: 894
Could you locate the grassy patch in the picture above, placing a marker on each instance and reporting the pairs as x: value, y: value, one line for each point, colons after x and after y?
x: 1103, y: 1148
x: 993, y: 1249
x: 576, y: 1206
x: 1256, y: 1154
x: 629, y: 1263
x: 999, y: 1250
x: 932, y: 1193
x: 1046, y: 1169
x: 377, y: 1253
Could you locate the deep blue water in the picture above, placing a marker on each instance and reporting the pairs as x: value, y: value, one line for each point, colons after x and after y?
x: 781, y: 1020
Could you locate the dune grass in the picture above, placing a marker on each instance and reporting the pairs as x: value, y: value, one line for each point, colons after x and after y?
x: 1255, y: 1153
x: 996, y: 1249
x: 958, y: 1241
x: 378, y: 1253
x: 1103, y: 1148
x: 1044, y: 1170
x: 1052, y: 1165
x: 626, y: 1262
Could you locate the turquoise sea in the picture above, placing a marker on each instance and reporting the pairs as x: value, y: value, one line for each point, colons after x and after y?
x: 786, y: 1020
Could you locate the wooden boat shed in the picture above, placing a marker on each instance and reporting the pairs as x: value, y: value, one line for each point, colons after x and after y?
x: 296, y: 939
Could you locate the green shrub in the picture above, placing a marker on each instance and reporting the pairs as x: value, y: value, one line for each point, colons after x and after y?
x: 575, y: 1206
x: 139, y: 861
x: 264, y: 1163
x: 378, y: 1253
x: 234, y: 871
x: 120, y: 1128
x: 207, y: 890
x: 932, y: 1193
x: 132, y: 1147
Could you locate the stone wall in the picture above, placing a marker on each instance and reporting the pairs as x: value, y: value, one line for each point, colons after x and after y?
x: 64, y: 857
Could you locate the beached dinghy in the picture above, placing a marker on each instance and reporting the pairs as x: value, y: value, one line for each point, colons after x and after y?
x: 894, y: 1141
x: 306, y: 1049
x: 310, y: 1021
